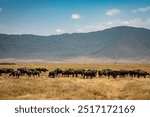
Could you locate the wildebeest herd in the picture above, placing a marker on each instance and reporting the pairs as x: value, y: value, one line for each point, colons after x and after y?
x: 90, y: 73
x: 85, y: 73
x: 23, y: 72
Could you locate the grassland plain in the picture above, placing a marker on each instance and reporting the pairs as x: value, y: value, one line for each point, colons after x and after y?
x: 64, y: 88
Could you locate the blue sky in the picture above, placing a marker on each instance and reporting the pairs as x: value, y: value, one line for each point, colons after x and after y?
x: 47, y: 17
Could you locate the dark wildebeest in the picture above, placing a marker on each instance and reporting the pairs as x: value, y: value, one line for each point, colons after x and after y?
x: 41, y: 69
x: 16, y: 73
x: 23, y: 71
x: 6, y: 70
x: 114, y: 73
x: 52, y: 74
x: 58, y: 71
x: 123, y: 73
x: 142, y: 73
x: 90, y: 73
x: 68, y: 72
x: 1, y: 72
x: 106, y: 72
x: 79, y: 72
x: 100, y: 73
x: 134, y: 73
x: 33, y: 72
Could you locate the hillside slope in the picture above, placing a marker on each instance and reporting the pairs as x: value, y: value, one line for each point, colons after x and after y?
x: 116, y: 43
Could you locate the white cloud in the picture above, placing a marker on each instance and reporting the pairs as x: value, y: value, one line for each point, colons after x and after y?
x: 113, y: 12
x: 60, y: 31
x: 80, y: 30
x: 144, y: 9
x: 119, y: 22
x: 75, y: 16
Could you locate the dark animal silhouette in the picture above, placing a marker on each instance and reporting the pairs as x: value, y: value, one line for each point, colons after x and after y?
x: 90, y: 73
x: 15, y: 73
x: 52, y: 74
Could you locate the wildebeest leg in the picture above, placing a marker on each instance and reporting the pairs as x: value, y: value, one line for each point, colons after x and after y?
x: 115, y: 76
x: 16, y: 76
x: 86, y: 76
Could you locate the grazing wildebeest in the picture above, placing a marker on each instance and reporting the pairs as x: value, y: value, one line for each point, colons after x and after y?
x: 41, y: 69
x: 134, y: 73
x: 79, y: 72
x: 122, y: 73
x: 100, y: 73
x: 90, y: 73
x: 106, y: 72
x: 68, y: 72
x: 23, y: 71
x: 58, y: 71
x: 142, y: 73
x: 6, y: 70
x: 52, y: 74
x: 33, y: 72
x: 16, y: 73
x: 114, y: 73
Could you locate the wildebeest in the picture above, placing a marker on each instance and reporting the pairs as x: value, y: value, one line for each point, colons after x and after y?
x: 133, y: 73
x: 52, y: 74
x: 108, y: 73
x: 90, y: 73
x: 138, y: 73
x: 68, y: 72
x: 33, y: 72
x: 100, y: 73
x: 5, y: 70
x: 23, y: 71
x: 41, y: 69
x: 79, y: 72
x: 123, y: 73
x: 142, y: 73
x: 105, y: 72
x: 58, y: 71
x: 16, y: 73
x: 114, y: 73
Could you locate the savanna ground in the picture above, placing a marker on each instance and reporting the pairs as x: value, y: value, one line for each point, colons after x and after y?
x: 64, y: 88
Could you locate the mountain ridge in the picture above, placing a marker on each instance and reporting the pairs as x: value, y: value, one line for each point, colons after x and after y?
x: 117, y: 43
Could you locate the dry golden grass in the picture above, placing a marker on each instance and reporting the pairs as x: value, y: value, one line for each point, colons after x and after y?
x: 75, y: 88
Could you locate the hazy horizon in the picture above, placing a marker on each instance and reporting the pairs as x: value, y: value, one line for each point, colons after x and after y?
x: 74, y: 32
